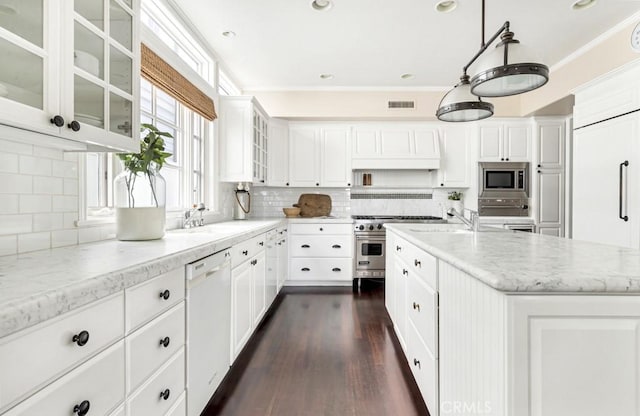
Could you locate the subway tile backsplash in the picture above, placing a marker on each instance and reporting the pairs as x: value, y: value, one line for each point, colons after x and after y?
x: 268, y: 202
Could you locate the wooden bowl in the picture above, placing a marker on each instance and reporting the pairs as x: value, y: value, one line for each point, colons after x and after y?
x: 291, y: 211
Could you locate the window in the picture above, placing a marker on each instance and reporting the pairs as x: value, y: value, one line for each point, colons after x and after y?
x: 226, y: 86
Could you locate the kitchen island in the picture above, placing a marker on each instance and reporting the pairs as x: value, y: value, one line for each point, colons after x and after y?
x: 508, y: 323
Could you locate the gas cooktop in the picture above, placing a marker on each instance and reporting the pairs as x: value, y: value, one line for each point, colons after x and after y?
x: 407, y: 218
x: 375, y: 222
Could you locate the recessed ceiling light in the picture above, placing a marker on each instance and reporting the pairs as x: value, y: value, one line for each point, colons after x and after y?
x: 326, y: 76
x: 229, y: 34
x: 407, y: 76
x: 582, y: 4
x: 446, y: 6
x: 321, y: 5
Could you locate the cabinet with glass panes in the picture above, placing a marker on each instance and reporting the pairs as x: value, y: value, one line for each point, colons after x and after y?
x: 260, y: 141
x: 70, y: 69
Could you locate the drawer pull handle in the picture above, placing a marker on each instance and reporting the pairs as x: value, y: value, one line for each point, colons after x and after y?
x: 165, y: 295
x: 245, y: 252
x: 416, y: 306
x: 81, y: 339
x: 165, y: 394
x: 82, y: 408
x: 254, y: 262
x: 261, y: 243
x: 165, y: 342
x: 417, y: 263
x: 405, y: 272
x: 398, y: 248
x: 321, y: 229
x: 306, y: 269
x: 336, y: 246
x: 305, y: 246
x: 337, y: 269
x: 416, y: 362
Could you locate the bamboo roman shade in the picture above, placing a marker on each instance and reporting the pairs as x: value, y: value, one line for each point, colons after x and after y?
x: 165, y: 77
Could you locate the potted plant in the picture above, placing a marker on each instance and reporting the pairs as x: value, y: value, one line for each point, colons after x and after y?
x: 456, y: 200
x: 140, y: 190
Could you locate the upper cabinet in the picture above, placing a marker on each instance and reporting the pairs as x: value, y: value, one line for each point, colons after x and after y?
x: 244, y: 131
x: 278, y: 155
x: 319, y: 156
x: 387, y: 146
x: 70, y: 69
x: 505, y: 142
x: 456, y: 163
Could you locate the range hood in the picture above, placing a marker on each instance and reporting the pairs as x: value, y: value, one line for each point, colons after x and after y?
x: 398, y: 150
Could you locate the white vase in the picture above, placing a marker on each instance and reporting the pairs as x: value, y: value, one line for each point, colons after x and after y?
x: 136, y: 224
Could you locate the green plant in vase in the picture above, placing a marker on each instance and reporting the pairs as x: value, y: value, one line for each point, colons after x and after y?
x: 140, y: 190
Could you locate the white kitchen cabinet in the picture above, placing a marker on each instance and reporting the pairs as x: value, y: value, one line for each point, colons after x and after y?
x: 283, y: 258
x: 455, y: 162
x: 319, y: 156
x: 244, y: 130
x: 505, y: 141
x: 320, y: 254
x: 396, y: 146
x: 400, y: 273
x: 54, y: 347
x: 278, y: 154
x: 604, y: 189
x: 248, y: 286
x: 549, y: 177
x: 71, y: 70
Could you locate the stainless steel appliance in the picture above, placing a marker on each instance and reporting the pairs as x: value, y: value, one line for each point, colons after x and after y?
x: 527, y: 228
x: 503, y: 189
x: 370, y: 250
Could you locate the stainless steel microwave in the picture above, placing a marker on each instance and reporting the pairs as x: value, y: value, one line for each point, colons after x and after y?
x: 503, y: 179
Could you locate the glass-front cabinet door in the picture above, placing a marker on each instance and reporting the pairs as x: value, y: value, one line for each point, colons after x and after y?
x: 103, y: 75
x: 30, y: 68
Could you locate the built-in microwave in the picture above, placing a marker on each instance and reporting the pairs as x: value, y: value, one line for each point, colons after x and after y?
x: 503, y: 179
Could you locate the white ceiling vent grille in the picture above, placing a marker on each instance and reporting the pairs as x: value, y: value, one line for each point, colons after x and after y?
x: 402, y: 104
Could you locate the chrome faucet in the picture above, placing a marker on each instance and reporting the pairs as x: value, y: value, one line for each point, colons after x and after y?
x: 474, y: 218
x: 189, y: 221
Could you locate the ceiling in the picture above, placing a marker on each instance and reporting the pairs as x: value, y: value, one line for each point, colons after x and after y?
x: 369, y: 44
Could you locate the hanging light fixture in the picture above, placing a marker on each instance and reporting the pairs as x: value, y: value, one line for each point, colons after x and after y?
x: 507, y: 70
x: 460, y: 105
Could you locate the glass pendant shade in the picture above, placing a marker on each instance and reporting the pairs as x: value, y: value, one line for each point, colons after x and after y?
x: 459, y: 105
x: 508, y: 69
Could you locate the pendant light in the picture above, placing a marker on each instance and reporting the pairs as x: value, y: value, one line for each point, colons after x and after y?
x: 508, y: 69
x: 459, y: 105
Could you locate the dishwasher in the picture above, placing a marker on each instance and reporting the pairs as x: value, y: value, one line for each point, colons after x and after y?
x: 208, y: 327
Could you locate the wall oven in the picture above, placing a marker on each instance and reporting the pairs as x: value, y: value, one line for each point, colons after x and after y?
x: 370, y: 254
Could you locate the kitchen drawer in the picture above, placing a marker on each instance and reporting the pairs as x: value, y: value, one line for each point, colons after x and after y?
x: 100, y: 382
x: 245, y: 250
x: 146, y: 353
x: 422, y: 309
x: 319, y: 228
x: 422, y: 264
x: 321, y: 269
x: 321, y: 246
x: 149, y: 299
x: 147, y: 399
x: 180, y: 407
x: 35, y: 356
x: 424, y: 367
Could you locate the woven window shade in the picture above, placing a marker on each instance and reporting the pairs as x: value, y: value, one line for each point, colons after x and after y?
x: 163, y: 76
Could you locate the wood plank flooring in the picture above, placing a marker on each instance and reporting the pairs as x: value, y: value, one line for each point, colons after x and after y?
x: 321, y: 352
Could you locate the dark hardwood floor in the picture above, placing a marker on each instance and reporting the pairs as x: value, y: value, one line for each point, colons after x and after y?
x: 321, y: 352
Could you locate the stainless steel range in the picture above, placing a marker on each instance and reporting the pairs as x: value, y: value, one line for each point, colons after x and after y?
x: 369, y: 259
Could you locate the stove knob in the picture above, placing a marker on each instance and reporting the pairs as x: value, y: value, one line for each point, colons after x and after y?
x: 379, y: 226
x: 371, y: 227
x: 361, y: 227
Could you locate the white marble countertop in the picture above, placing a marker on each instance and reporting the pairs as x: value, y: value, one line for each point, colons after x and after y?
x: 332, y: 220
x: 43, y: 284
x: 519, y: 262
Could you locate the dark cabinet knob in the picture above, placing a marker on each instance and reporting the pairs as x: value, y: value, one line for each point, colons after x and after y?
x: 417, y: 263
x: 245, y: 252
x: 58, y: 121
x: 507, y: 159
x: 317, y: 184
x: 336, y: 269
x: 416, y: 362
x: 287, y: 183
x: 82, y: 408
x: 165, y: 342
x: 305, y: 246
x: 539, y: 171
x: 336, y: 246
x: 398, y: 248
x: 164, y: 395
x: 539, y: 165
x: 321, y: 229
x: 348, y: 184
x: 405, y: 272
x: 305, y: 269
x: 502, y: 158
x: 165, y: 294
x: 74, y: 125
x: 262, y: 180
x: 441, y: 184
x: 81, y: 339
x: 416, y: 306
x: 261, y: 243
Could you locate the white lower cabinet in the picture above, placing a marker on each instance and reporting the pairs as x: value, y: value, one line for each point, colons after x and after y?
x: 282, y: 273
x: 97, y: 385
x: 259, y: 286
x: 162, y: 389
x: 180, y: 407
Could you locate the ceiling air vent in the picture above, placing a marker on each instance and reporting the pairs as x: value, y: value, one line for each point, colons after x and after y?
x: 402, y: 104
